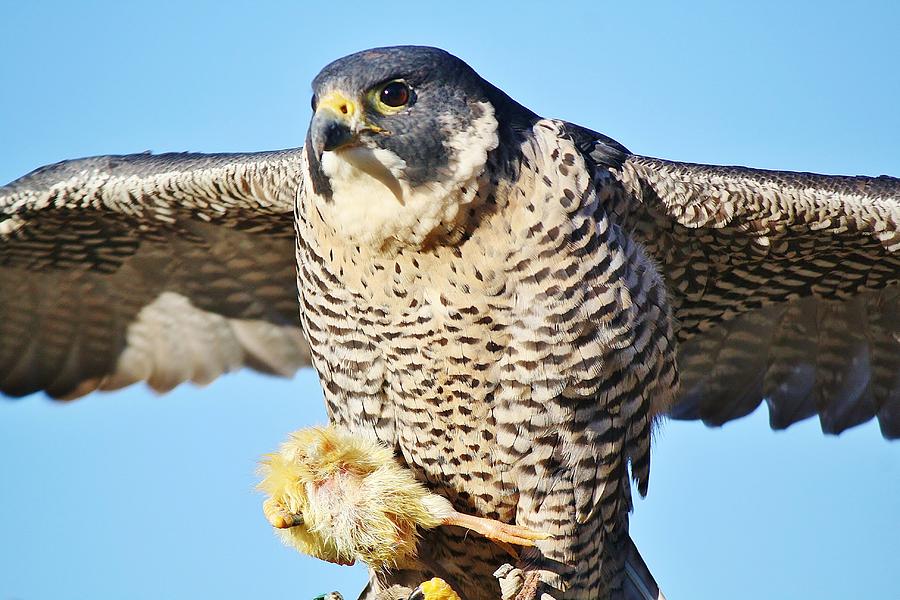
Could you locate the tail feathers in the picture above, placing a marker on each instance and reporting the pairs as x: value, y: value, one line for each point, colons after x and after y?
x: 639, y: 583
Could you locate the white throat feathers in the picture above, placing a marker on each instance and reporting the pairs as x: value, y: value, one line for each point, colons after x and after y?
x: 373, y: 205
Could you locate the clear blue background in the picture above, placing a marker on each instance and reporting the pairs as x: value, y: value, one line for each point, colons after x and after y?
x: 129, y: 495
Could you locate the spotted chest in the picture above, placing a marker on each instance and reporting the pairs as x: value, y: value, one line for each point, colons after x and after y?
x: 409, y: 347
x: 516, y: 369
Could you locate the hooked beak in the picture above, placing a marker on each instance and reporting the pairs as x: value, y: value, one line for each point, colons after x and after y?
x: 332, y: 126
x: 330, y: 134
x: 337, y: 124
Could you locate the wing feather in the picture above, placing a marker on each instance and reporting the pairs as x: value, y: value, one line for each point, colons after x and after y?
x: 784, y: 287
x: 158, y: 268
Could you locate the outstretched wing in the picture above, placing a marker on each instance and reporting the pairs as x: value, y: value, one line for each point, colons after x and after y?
x: 158, y: 268
x: 784, y: 286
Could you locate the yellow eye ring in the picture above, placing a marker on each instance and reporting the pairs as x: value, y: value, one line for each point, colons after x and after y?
x: 393, y: 96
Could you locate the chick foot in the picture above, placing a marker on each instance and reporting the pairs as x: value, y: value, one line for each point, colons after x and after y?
x: 279, y: 517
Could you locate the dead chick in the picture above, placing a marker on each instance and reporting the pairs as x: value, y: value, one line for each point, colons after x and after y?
x: 340, y: 496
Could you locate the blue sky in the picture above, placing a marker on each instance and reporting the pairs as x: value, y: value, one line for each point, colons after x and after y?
x: 139, y: 496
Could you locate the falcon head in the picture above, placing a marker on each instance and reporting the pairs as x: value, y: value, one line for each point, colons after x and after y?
x: 398, y: 138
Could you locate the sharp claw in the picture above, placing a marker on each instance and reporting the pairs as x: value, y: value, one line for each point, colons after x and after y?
x: 508, y: 548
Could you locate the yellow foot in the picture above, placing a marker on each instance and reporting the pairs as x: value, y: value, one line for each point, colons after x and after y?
x: 434, y: 589
x: 498, y: 531
x: 279, y: 517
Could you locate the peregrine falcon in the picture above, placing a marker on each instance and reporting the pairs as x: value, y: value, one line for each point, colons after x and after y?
x: 509, y: 301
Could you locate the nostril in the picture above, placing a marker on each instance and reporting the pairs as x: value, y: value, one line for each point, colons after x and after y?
x: 344, y: 109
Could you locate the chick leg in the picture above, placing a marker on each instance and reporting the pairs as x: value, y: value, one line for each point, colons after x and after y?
x: 278, y: 516
x: 497, y: 531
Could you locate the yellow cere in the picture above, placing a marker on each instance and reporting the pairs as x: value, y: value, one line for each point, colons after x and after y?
x: 338, y: 103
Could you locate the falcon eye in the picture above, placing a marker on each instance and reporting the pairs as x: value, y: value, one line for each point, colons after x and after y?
x: 314, y: 102
x: 394, y: 94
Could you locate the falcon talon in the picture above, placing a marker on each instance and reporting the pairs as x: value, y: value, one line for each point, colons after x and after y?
x: 531, y: 586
